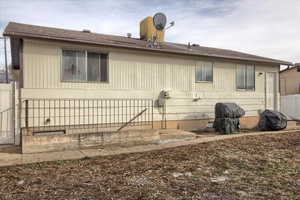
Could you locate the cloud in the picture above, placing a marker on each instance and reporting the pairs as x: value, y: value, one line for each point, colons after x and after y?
x: 268, y: 28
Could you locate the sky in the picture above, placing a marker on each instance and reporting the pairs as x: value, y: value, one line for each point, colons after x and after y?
x: 269, y: 28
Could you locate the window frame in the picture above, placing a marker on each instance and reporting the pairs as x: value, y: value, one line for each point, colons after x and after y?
x: 212, y: 71
x: 86, y: 65
x: 236, y: 78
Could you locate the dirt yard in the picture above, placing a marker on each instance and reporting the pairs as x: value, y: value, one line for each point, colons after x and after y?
x: 252, y: 167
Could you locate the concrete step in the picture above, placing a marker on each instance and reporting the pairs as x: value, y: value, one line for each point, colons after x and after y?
x: 291, y: 124
x: 173, y: 135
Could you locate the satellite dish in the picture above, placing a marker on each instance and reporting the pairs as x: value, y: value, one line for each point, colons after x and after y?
x: 159, y: 21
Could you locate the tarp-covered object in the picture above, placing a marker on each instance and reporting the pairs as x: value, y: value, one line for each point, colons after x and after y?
x: 272, y: 121
x: 227, y: 125
x: 227, y: 117
x: 228, y: 110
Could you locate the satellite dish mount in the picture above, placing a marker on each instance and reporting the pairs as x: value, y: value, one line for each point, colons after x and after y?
x: 159, y: 21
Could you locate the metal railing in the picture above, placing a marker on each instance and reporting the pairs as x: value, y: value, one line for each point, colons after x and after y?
x: 85, y: 115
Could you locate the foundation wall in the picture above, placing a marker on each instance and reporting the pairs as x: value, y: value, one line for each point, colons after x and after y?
x: 91, y: 137
x: 34, y: 144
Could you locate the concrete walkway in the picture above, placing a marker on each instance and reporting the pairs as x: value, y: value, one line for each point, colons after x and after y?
x: 13, y: 157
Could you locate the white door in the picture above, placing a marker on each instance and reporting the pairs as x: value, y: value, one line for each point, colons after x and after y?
x: 271, y: 90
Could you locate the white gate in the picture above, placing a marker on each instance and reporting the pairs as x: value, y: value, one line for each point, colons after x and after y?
x: 7, y: 119
x: 6, y: 128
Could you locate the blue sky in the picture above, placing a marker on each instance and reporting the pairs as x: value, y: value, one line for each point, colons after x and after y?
x: 264, y: 27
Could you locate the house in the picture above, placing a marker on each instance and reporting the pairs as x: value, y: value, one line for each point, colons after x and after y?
x: 290, y: 80
x: 76, y: 80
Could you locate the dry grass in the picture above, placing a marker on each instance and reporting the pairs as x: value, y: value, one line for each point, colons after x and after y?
x: 253, y: 167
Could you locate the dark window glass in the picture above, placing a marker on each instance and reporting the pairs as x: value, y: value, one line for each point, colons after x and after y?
x: 104, y: 68
x: 73, y: 64
x: 204, y: 72
x: 245, y: 75
x: 93, y: 66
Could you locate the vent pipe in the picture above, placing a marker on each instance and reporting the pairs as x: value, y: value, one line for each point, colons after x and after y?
x: 86, y: 31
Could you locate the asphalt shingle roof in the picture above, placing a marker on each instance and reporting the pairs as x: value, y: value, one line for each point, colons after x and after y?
x: 40, y: 32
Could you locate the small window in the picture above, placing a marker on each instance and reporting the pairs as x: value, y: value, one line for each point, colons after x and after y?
x: 245, y: 76
x: 83, y: 66
x: 204, y: 72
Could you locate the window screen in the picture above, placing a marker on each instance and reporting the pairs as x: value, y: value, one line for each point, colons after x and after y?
x: 204, y: 72
x: 245, y: 75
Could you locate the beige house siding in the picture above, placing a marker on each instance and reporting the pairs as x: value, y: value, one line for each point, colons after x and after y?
x: 290, y: 82
x: 135, y: 74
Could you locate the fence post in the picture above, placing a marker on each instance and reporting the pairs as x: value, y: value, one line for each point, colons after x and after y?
x: 13, y: 110
x: 152, y: 105
x: 26, y: 113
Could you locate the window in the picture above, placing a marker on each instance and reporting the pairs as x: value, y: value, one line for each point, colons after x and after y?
x: 204, y: 72
x: 81, y: 66
x: 245, y: 76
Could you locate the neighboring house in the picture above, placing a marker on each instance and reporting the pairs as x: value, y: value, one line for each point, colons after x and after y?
x: 290, y: 80
x: 65, y: 64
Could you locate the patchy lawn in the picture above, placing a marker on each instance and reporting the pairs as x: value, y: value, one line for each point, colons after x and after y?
x: 253, y: 167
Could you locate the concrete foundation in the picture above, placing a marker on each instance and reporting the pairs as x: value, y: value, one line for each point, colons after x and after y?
x: 48, y: 143
x: 191, y: 125
x: 89, y: 136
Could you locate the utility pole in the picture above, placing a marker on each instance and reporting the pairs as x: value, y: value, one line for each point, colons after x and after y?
x: 5, y: 55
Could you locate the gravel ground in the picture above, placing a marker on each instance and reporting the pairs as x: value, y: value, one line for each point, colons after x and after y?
x: 251, y: 167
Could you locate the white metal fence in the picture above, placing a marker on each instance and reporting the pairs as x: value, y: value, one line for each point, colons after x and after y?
x: 290, y: 106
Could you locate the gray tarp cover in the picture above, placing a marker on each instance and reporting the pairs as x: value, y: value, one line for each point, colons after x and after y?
x: 227, y: 117
x: 228, y: 110
x: 227, y: 125
x: 272, y: 121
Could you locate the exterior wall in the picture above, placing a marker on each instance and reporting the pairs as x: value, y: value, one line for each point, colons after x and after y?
x: 135, y: 74
x: 290, y: 82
